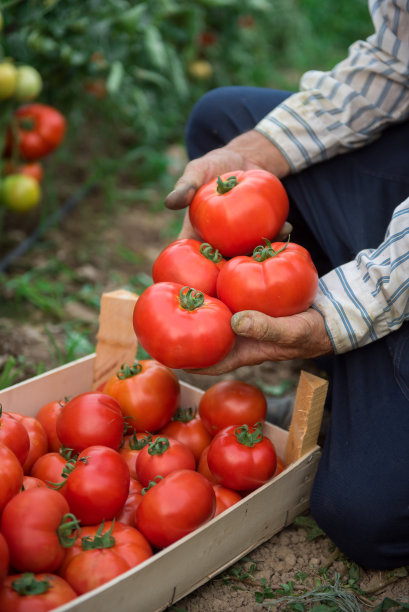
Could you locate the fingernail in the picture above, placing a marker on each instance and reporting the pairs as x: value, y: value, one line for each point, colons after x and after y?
x: 240, y: 324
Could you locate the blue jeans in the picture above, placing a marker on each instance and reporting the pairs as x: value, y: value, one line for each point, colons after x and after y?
x: 360, y: 495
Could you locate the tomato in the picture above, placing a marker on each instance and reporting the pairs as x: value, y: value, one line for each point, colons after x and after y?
x: 4, y: 559
x: 175, y: 506
x: 201, y: 69
x: 97, y: 488
x: 38, y: 528
x: 102, y: 552
x: 20, y: 192
x: 280, y: 466
x: 14, y: 435
x: 41, y: 129
x: 188, y: 428
x: 162, y: 457
x: 33, y: 169
x: 189, y: 262
x: 8, y: 80
x: 235, y: 211
x: 51, y: 468
x: 148, y: 393
x: 48, y: 415
x: 34, y: 592
x: 29, y: 83
x: 31, y: 482
x: 11, y: 475
x: 89, y: 419
x: 231, y: 402
x: 242, y: 457
x: 280, y: 279
x: 225, y: 498
x: 203, y: 467
x: 131, y: 448
x: 181, y: 327
x: 127, y: 515
x: 38, y: 439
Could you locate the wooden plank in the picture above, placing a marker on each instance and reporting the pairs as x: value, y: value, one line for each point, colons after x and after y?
x: 307, y: 416
x: 116, y: 339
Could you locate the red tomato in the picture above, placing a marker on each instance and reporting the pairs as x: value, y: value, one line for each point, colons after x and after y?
x: 31, y: 482
x: 33, y: 169
x: 38, y: 439
x: 4, y: 559
x: 231, y: 402
x: 41, y: 129
x: 132, y: 446
x: 148, y: 393
x: 37, y: 529
x: 34, y: 593
x: 188, y: 428
x: 49, y: 468
x: 235, y: 211
x: 189, y: 262
x: 162, y: 457
x: 181, y: 327
x: 89, y: 419
x: 203, y: 467
x: 280, y: 466
x: 225, y: 498
x: 98, y: 486
x: 14, y: 435
x: 48, y: 415
x: 127, y: 515
x: 11, y: 475
x: 175, y: 506
x: 108, y: 551
x: 242, y: 457
x: 280, y: 279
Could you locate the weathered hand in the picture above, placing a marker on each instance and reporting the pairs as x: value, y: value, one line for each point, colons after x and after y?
x: 262, y: 338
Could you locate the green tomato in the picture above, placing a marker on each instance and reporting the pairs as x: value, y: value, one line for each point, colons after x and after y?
x: 20, y: 193
x: 29, y: 83
x: 8, y: 80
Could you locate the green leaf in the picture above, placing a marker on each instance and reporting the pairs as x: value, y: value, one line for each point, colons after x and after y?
x: 389, y: 603
x: 155, y: 47
x: 115, y: 77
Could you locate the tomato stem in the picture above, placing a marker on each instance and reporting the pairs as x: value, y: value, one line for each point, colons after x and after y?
x: 68, y: 530
x: 151, y: 484
x: 191, y: 300
x: 227, y: 185
x: 185, y: 415
x: 135, y: 444
x: 210, y: 252
x: 128, y: 371
x: 248, y: 438
x: 28, y: 584
x: 100, y: 540
x: 263, y: 252
x: 158, y: 447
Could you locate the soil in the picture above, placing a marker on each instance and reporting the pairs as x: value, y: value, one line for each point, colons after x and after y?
x: 108, y: 247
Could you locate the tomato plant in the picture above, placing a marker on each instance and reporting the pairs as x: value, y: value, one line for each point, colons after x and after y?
x: 225, y: 498
x: 37, y: 436
x: 280, y: 279
x: 148, y: 393
x: 236, y: 210
x: 242, y: 457
x: 48, y: 415
x: 38, y: 528
x: 162, y: 457
x: 175, y: 506
x: 187, y: 427
x: 40, y: 130
x: 231, y: 402
x: 181, y: 327
x: 20, y: 192
x: 30, y: 592
x: 14, y: 435
x: 11, y: 475
x: 88, y: 419
x: 189, y: 262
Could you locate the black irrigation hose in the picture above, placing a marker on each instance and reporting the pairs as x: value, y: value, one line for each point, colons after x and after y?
x: 51, y: 220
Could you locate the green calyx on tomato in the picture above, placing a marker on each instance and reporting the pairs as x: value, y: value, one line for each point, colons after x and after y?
x: 158, y: 447
x: 28, y: 584
x: 100, y: 540
x: 128, y: 371
x: 185, y: 415
x: 151, y: 484
x: 263, y: 252
x: 210, y: 253
x: 247, y: 437
x: 68, y: 530
x: 227, y: 185
x: 191, y: 299
x: 139, y: 444
x: 67, y: 469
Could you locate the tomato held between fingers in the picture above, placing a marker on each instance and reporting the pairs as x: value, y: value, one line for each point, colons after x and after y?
x: 235, y: 211
x: 279, y: 279
x: 181, y: 327
x: 30, y: 592
x: 162, y: 457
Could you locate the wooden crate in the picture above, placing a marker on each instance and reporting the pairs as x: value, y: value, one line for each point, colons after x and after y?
x: 181, y: 568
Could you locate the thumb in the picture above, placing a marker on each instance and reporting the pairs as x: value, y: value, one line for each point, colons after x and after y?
x: 255, y: 324
x: 182, y: 195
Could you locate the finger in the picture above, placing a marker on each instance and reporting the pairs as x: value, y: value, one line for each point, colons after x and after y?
x: 181, y: 196
x: 284, y: 232
x: 255, y: 324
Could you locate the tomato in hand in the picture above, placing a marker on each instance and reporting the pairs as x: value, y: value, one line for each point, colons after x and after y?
x: 231, y: 402
x: 162, y: 457
x: 30, y: 592
x: 189, y: 262
x: 181, y: 327
x: 14, y: 435
x: 236, y: 210
x: 242, y: 457
x: 41, y: 129
x: 187, y: 427
x: 175, y: 506
x: 148, y: 393
x: 38, y: 439
x: 225, y: 498
x: 280, y: 280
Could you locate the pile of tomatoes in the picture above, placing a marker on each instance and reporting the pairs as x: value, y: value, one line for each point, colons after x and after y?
x: 31, y: 131
x: 95, y: 484
x: 184, y: 319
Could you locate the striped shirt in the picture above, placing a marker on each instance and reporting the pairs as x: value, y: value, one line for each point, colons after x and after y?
x: 337, y: 111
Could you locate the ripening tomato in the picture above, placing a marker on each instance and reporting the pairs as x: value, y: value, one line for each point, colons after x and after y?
x: 175, y: 506
x: 187, y: 427
x: 181, y: 327
x: 30, y: 592
x: 88, y: 419
x: 189, y: 262
x: 236, y: 210
x: 29, y: 83
x: 4, y: 559
x: 41, y: 128
x: 231, y: 402
x: 8, y: 80
x: 38, y: 439
x: 279, y: 280
x: 14, y: 435
x: 162, y: 457
x: 11, y: 475
x: 148, y: 393
x: 48, y: 415
x: 225, y: 498
x: 34, y: 169
x: 20, y: 192
x: 242, y: 457
x: 127, y: 515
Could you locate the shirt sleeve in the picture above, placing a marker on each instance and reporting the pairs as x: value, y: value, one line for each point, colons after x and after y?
x: 367, y: 298
x: 349, y: 106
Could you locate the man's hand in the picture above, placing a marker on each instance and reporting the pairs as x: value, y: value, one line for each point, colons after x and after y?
x: 262, y: 338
